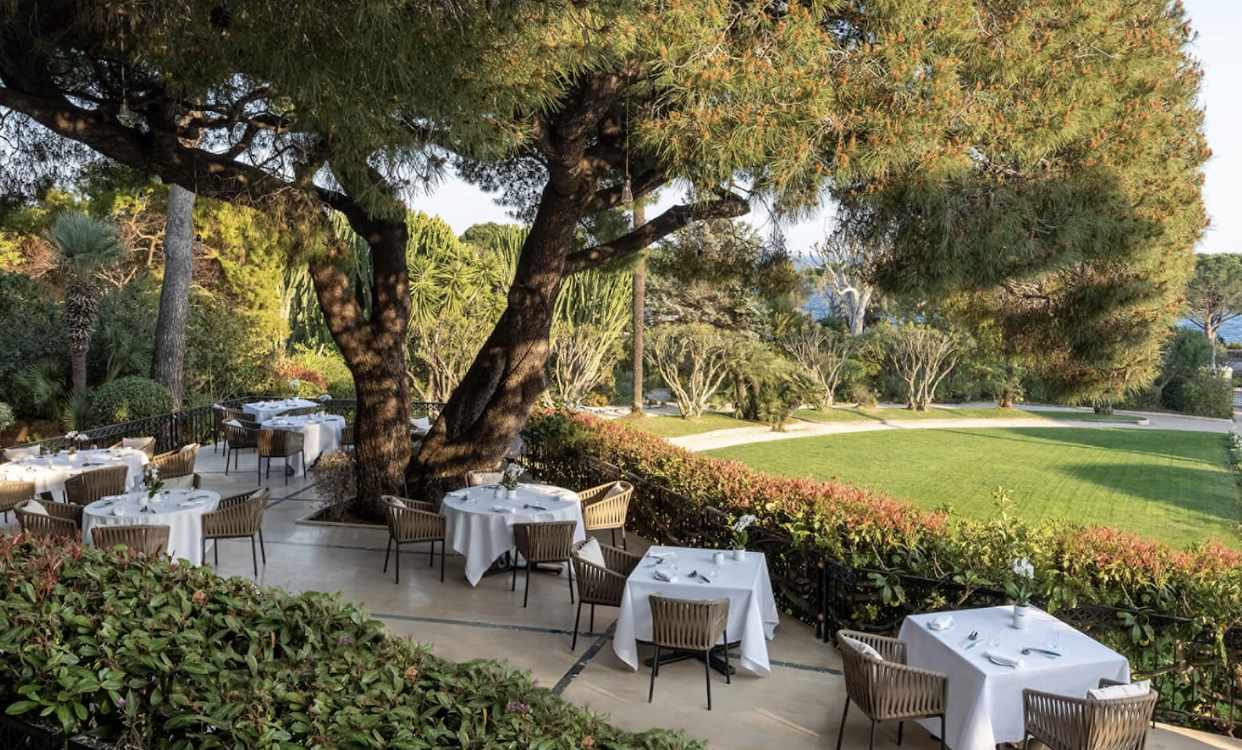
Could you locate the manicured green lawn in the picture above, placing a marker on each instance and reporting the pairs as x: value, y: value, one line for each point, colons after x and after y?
x: 1175, y: 486
x: 850, y: 414
x: 670, y: 427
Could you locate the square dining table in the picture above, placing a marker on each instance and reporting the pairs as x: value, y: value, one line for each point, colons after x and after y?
x: 985, y: 698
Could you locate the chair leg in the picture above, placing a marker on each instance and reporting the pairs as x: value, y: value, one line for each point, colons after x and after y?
x: 614, y: 537
x: 431, y: 559
x: 443, y: 554
x: 577, y: 619
x: 387, y: 553
x: 624, y: 546
x: 707, y: 673
x: 526, y: 596
x: 871, y: 744
x: 592, y: 618
x: 216, y: 547
x: 569, y: 574
x: 655, y: 667
x: 398, y: 562
x: 841, y: 731
x: 728, y: 677
x: 204, y: 557
x: 900, y: 725
x: 262, y: 549
x: 513, y: 585
x: 942, y: 733
x: 254, y: 557
x: 227, y: 453
x: 303, y: 455
x: 269, y: 465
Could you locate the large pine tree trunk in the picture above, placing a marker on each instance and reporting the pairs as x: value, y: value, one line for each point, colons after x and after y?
x: 374, y: 351
x: 493, y: 401
x: 168, y: 359
x: 638, y: 320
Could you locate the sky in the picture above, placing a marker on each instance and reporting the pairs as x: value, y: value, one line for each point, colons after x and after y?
x: 1219, y: 47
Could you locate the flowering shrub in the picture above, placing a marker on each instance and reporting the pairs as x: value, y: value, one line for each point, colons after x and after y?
x: 1072, y: 565
x: 297, y: 380
x: 157, y: 655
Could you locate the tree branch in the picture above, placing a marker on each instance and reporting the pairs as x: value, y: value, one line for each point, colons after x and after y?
x: 729, y: 206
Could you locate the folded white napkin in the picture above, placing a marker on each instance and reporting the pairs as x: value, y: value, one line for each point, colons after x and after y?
x: 502, y: 509
x: 664, y: 574
x: 1002, y: 658
x: 661, y: 556
x: 941, y: 622
x: 233, y: 423
x: 118, y: 510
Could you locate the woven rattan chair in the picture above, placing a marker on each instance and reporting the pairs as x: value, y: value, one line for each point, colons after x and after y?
x: 602, y: 586
x: 887, y: 689
x: 301, y: 411
x: 68, y: 511
x: 411, y: 522
x: 238, y: 439
x: 144, y: 444
x: 1064, y: 723
x: 602, y: 513
x: 177, y: 463
x: 89, y: 486
x: 550, y: 542
x: 44, y: 524
x: 12, y: 494
x: 148, y: 541
x: 239, y: 519
x: 689, y: 625
x: 280, y: 444
x: 348, y: 440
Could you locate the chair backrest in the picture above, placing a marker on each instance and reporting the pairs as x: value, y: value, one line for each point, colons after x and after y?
x: 89, y: 486
x: 688, y: 624
x: 240, y: 437
x: 178, y: 463
x: 68, y: 511
x: 480, y: 478
x: 550, y: 541
x: 279, y: 443
x: 608, y: 506
x: 13, y: 454
x: 43, y: 524
x: 142, y: 539
x: 1119, y: 722
x: 604, y: 585
x: 301, y: 411
x: 14, y: 492
x: 242, y: 519
x: 347, y: 435
x: 144, y: 444
x: 240, y: 415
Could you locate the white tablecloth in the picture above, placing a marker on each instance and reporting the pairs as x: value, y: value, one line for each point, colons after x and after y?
x: 482, y: 535
x: 50, y: 471
x: 265, y: 410
x: 321, y: 433
x: 985, y: 699
x: 752, y: 609
x: 185, y: 535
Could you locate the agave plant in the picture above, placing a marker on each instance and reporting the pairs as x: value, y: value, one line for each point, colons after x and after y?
x: 83, y: 247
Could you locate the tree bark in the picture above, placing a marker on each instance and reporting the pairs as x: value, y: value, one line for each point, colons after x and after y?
x: 638, y: 321
x: 81, y: 305
x: 168, y: 359
x: 374, y: 351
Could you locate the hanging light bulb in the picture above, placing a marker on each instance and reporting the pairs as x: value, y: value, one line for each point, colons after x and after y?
x: 627, y: 191
x: 124, y: 115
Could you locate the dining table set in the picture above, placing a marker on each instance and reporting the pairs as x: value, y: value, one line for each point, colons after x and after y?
x: 50, y: 470
x: 321, y: 433
x: 180, y: 510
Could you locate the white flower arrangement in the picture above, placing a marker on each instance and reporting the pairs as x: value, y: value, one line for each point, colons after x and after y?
x: 1023, y: 585
x: 739, y: 527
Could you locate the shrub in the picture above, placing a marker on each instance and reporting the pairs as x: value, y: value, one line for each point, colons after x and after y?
x: 1205, y: 394
x: 128, y: 399
x: 6, y: 416
x: 162, y: 655
x: 337, y: 483
x: 309, y: 383
x: 863, y: 397
x: 33, y: 329
x: 329, y: 363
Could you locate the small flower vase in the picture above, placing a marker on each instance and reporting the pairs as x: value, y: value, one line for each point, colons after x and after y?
x: 511, y: 494
x: 739, y: 554
x: 1019, y: 615
x: 498, y: 493
x: 718, y: 558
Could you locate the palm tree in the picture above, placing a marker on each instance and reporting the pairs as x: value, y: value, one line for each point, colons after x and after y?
x: 83, y: 246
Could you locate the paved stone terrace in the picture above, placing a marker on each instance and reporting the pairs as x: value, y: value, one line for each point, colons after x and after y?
x: 798, y: 707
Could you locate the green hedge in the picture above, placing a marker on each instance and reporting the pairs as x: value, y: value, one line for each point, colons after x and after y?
x: 127, y: 399
x: 169, y: 656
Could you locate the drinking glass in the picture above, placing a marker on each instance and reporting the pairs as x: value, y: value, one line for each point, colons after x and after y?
x: 994, y: 638
x: 1054, y: 638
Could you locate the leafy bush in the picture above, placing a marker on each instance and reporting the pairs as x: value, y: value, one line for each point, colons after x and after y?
x: 127, y: 399
x: 6, y: 416
x: 33, y: 329
x: 226, y: 354
x: 1074, y: 564
x: 329, y: 363
x: 161, y: 655
x: 309, y: 383
x: 1205, y: 394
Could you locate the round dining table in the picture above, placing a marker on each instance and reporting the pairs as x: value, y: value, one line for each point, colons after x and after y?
x: 321, y: 433
x: 265, y: 410
x: 181, y: 511
x: 479, y: 520
x: 50, y: 470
